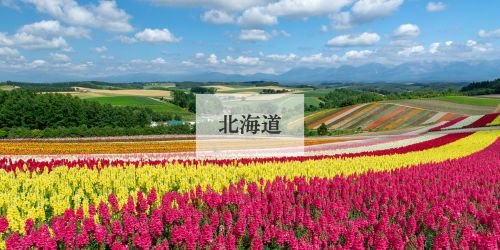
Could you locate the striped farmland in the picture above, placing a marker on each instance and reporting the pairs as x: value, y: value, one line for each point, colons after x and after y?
x: 377, y: 117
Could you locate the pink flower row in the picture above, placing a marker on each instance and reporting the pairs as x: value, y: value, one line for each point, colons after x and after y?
x: 448, y: 205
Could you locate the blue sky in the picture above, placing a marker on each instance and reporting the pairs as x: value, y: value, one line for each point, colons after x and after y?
x: 101, y: 38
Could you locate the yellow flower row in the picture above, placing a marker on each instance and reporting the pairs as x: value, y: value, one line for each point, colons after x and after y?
x: 44, y: 194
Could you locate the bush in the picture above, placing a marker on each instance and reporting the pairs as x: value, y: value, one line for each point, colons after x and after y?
x: 323, y: 129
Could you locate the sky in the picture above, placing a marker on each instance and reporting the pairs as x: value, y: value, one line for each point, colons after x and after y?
x: 103, y: 38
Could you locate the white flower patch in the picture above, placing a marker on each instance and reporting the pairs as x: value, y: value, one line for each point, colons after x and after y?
x: 465, y: 122
x: 381, y: 146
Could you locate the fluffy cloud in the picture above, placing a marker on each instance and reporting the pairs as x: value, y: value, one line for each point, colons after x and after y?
x: 411, y: 50
x: 282, y: 58
x: 217, y: 17
x: 29, y: 41
x: 364, y: 11
x: 58, y: 57
x: 106, y: 15
x: 156, y: 36
x: 489, y: 34
x: 9, y: 52
x: 254, y: 35
x: 357, y: 54
x: 150, y: 36
x: 324, y: 28
x: 363, y: 39
x: 52, y: 28
x: 9, y: 4
x: 158, y: 60
x: 100, y: 49
x: 212, y: 59
x: 435, y: 6
x: 434, y: 48
x: 407, y: 31
x: 320, y: 58
x: 241, y: 60
x: 215, y: 4
x: 255, y: 17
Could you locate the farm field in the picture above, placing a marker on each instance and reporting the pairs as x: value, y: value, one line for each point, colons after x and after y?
x: 89, y: 92
x: 446, y: 106
x: 377, y: 117
x: 482, y: 101
x: 274, y: 202
x: 141, y: 101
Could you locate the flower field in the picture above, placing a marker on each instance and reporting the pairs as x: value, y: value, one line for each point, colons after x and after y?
x: 474, y: 121
x: 403, y: 192
x: 377, y: 116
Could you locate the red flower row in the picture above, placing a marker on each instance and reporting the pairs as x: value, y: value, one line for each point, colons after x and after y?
x: 33, y: 165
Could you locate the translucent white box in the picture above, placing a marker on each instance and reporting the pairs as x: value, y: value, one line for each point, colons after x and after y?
x: 249, y: 125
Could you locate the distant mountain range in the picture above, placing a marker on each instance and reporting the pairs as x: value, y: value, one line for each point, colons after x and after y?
x: 406, y: 72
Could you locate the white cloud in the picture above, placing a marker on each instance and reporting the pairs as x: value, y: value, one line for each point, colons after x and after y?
x: 199, y: 55
x: 363, y: 39
x: 342, y: 20
x: 434, y: 48
x: 100, y: 49
x: 52, y: 28
x: 435, y: 6
x: 105, y: 57
x: 449, y: 43
x: 319, y: 58
x: 305, y: 8
x: 9, y: 4
x: 6, y: 51
x: 412, y: 50
x: 29, y: 41
x: 324, y: 28
x: 215, y: 4
x: 255, y: 17
x: 36, y: 63
x: 58, y: 57
x: 364, y: 11
x: 368, y: 10
x: 357, y: 54
x: 158, y: 60
x: 105, y: 16
x: 212, y: 59
x: 217, y: 17
x: 407, y: 31
x: 282, y: 58
x: 489, y: 34
x: 156, y: 36
x: 125, y: 39
x: 470, y: 43
x: 254, y: 35
x: 241, y: 60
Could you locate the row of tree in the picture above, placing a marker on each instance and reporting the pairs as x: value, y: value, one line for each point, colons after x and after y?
x: 23, y: 108
x: 482, y: 88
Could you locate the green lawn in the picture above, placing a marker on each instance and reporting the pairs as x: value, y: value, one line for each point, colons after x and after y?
x: 140, y: 101
x: 481, y: 101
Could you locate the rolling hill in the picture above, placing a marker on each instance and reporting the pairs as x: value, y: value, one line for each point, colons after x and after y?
x: 377, y: 117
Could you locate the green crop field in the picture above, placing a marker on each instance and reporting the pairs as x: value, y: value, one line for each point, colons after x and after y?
x: 126, y: 100
x: 310, y: 100
x: 140, y: 101
x: 471, y: 100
